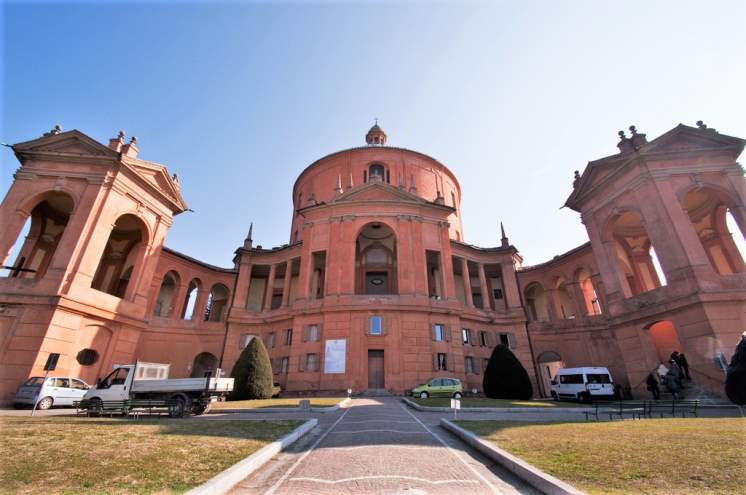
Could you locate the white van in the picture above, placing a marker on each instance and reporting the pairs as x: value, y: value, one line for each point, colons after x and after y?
x: 583, y: 384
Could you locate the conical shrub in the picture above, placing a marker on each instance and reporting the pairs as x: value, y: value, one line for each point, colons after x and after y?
x: 252, y: 373
x: 505, y: 376
x: 735, y: 380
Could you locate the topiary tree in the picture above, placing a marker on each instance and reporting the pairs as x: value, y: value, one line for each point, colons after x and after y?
x: 735, y: 380
x: 252, y: 373
x: 505, y: 376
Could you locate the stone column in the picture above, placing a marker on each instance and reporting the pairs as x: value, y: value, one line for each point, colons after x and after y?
x: 243, y: 283
x: 486, y: 299
x: 510, y: 285
x: 270, y: 287
x: 467, y: 282
x: 286, y: 285
x: 576, y: 293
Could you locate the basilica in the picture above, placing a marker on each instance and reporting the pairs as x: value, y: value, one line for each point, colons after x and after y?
x: 377, y: 288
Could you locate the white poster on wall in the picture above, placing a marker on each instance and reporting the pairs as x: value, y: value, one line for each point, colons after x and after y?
x: 334, y: 356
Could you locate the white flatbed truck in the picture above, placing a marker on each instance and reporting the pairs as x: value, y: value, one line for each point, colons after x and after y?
x: 149, y: 381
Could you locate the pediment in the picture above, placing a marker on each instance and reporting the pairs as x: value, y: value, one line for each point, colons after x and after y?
x: 66, y: 143
x: 157, y: 177
x: 685, y: 138
x: 379, y: 191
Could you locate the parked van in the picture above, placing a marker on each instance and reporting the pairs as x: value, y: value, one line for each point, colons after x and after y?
x: 583, y: 384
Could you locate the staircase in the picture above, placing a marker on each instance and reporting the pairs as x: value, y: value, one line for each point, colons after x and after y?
x: 692, y: 391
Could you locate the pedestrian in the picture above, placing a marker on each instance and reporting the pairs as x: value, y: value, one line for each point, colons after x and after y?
x: 662, y: 372
x: 675, y: 370
x: 672, y: 385
x: 684, y: 364
x: 652, y: 386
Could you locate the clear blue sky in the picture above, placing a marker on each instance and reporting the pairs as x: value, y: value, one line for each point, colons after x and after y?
x: 237, y: 98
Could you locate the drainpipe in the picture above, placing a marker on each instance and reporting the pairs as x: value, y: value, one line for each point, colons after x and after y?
x: 539, y: 381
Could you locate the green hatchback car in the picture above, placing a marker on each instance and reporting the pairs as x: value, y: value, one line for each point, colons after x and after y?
x: 439, y: 387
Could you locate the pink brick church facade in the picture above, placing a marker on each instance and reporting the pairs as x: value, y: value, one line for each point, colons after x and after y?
x: 376, y: 288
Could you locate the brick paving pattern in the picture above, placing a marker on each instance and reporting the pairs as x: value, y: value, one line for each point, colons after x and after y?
x: 379, y: 446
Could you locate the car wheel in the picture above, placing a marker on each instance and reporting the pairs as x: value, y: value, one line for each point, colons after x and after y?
x: 45, y: 403
x: 424, y: 395
x: 457, y: 395
x: 95, y: 407
x: 584, y: 397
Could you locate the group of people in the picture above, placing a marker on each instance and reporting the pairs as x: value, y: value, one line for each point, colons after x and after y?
x: 672, y: 376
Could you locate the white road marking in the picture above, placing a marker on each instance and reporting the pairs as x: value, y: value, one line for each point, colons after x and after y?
x: 380, y: 431
x: 379, y: 421
x: 471, y: 468
x: 277, y: 484
x: 384, y: 477
x: 387, y: 446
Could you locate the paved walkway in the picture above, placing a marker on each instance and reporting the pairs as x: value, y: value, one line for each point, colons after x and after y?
x: 380, y: 446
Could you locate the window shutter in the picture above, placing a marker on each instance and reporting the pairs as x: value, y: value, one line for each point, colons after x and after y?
x: 435, y: 362
x: 511, y: 341
x: 318, y: 334
x: 475, y: 365
x: 304, y: 337
x: 301, y: 363
x: 445, y: 362
x: 473, y: 337
x: 447, y: 331
x: 432, y: 332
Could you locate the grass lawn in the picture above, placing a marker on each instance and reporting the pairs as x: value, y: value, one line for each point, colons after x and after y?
x: 653, y: 456
x: 289, y: 402
x: 467, y: 402
x: 116, y: 456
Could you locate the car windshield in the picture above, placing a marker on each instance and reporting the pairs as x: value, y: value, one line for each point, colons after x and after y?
x: 35, y: 381
x: 598, y: 378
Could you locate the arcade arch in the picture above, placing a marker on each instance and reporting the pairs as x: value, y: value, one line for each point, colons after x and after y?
x: 123, y: 252
x: 375, y: 260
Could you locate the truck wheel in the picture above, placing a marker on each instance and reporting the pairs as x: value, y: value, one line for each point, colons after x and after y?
x: 95, y: 406
x: 45, y: 403
x: 176, y: 409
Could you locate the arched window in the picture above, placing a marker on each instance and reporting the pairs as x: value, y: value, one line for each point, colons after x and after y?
x: 204, y: 363
x: 710, y: 215
x: 216, y: 303
x: 43, y: 231
x: 376, y: 172
x: 164, y: 304
x: 124, y: 250
x: 536, y: 302
x: 635, y: 255
x: 375, y: 260
x: 190, y: 300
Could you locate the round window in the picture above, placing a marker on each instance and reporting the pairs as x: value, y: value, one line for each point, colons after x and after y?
x: 87, y: 357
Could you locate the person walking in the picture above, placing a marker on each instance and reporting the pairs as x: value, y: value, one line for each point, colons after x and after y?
x: 684, y: 364
x: 672, y: 384
x: 675, y: 370
x: 662, y: 372
x: 652, y: 386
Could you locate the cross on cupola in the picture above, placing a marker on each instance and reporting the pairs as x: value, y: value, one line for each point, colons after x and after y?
x: 375, y: 136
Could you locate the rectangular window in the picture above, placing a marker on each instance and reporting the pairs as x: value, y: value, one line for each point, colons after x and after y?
x: 466, y: 336
x: 376, y: 325
x: 497, y: 293
x: 284, y: 362
x: 441, y: 363
x: 312, y: 362
x: 289, y: 336
x: 571, y: 379
x: 469, y: 364
x: 318, y: 275
x: 483, y: 339
x: 245, y: 339
x: 508, y: 340
x: 312, y: 333
x: 270, y: 342
x: 438, y: 333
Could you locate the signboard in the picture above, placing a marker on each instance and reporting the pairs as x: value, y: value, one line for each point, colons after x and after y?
x: 455, y: 404
x: 334, y: 356
x: 51, y: 362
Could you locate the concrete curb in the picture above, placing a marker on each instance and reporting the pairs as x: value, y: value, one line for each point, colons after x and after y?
x: 535, y: 477
x: 321, y: 409
x: 579, y: 410
x: 223, y: 482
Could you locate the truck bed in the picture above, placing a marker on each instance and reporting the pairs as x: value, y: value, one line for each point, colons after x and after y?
x: 183, y: 385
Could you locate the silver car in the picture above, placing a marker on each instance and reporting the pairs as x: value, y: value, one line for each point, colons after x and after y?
x: 56, y: 391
